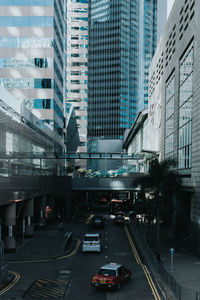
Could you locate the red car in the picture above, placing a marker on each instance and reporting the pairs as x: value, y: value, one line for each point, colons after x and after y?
x: 110, y: 276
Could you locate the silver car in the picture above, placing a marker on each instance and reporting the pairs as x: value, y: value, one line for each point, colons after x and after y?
x: 91, y: 242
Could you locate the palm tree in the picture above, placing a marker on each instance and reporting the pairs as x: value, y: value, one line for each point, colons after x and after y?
x: 162, y: 180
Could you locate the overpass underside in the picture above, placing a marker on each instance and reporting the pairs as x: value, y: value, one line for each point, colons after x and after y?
x: 106, y: 184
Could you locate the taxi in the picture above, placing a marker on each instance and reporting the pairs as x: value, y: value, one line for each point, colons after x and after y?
x: 111, y: 276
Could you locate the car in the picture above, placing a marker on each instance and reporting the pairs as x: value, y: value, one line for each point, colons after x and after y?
x: 111, y: 276
x: 119, y: 218
x: 98, y: 222
x: 91, y: 242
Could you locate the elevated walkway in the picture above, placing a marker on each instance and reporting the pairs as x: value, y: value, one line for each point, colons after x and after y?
x: 106, y: 184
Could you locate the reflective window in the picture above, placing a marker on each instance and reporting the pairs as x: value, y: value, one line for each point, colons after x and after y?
x: 169, y: 145
x: 170, y: 107
x: 169, y: 116
x: 186, y: 66
x: 186, y: 90
x: 185, y: 113
x: 10, y: 62
x: 26, y: 83
x: 185, y: 109
x: 13, y: 42
x: 39, y: 103
x: 26, y: 2
x: 170, y: 126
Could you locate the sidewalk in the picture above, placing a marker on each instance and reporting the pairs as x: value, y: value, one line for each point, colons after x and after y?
x: 181, y: 277
x: 184, y: 266
x: 50, y: 242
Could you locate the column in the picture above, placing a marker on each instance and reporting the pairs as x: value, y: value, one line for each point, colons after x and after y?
x: 10, y: 222
x: 42, y: 205
x: 28, y: 215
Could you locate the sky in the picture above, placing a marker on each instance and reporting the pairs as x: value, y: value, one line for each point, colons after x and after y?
x: 169, y: 6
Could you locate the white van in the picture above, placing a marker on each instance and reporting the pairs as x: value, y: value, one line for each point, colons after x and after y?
x: 91, y: 242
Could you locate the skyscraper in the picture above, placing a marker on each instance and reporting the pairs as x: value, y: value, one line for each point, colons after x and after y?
x: 123, y: 35
x: 77, y: 48
x: 31, y: 58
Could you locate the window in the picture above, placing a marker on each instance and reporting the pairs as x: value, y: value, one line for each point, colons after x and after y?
x: 185, y: 109
x: 169, y: 116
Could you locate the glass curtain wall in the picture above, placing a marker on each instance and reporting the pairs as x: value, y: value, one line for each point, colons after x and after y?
x: 169, y: 116
x: 122, y: 41
x: 31, y: 59
x: 185, y: 108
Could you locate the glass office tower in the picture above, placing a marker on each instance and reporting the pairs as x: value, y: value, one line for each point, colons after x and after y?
x: 31, y: 58
x: 122, y: 40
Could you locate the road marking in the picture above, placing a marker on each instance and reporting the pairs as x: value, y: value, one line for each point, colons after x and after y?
x: 78, y: 242
x: 47, y: 288
x: 146, y: 272
x: 8, y: 287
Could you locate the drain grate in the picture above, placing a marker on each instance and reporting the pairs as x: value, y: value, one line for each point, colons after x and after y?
x: 47, y: 289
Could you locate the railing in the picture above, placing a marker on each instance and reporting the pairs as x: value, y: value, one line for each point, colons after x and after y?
x: 139, y: 234
x: 170, y: 281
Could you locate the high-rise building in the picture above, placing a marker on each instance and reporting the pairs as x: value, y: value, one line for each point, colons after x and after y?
x: 76, y: 72
x: 123, y: 35
x: 31, y: 58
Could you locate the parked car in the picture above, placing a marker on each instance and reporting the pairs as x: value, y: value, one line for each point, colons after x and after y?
x: 111, y: 276
x: 98, y: 222
x: 91, y: 242
x: 119, y: 218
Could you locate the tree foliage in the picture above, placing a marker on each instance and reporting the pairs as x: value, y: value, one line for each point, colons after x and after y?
x: 160, y: 183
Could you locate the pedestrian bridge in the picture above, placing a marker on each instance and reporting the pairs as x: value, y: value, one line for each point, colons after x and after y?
x: 22, y: 187
x: 106, y: 183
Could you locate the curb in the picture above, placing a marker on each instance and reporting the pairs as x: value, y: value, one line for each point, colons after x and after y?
x: 68, y: 251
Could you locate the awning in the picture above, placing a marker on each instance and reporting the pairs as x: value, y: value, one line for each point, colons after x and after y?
x: 118, y: 201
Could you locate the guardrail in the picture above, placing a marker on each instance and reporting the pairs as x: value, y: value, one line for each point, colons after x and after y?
x: 139, y: 234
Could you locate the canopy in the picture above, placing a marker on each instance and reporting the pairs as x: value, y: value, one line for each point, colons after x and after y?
x: 118, y: 201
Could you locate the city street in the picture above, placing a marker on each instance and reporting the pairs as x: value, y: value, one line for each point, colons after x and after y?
x: 70, y: 276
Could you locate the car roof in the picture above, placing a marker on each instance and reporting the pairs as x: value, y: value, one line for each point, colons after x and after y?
x: 111, y: 266
x: 91, y: 234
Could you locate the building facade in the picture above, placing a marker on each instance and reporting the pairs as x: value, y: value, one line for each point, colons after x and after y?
x: 174, y: 86
x: 22, y: 135
x: 76, y: 72
x: 31, y: 58
x: 135, y: 142
x: 122, y: 39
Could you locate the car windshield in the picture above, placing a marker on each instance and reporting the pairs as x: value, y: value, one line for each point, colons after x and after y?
x: 107, y: 272
x: 90, y: 238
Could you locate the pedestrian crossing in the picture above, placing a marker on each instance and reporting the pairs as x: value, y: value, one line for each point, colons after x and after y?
x: 50, y: 288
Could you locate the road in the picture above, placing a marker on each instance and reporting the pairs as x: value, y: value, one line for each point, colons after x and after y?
x: 70, y: 277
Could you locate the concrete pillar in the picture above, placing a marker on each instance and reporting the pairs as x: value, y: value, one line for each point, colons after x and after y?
x: 28, y: 215
x: 42, y: 205
x: 10, y: 222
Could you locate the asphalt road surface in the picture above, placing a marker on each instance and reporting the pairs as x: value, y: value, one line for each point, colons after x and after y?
x: 70, y: 277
